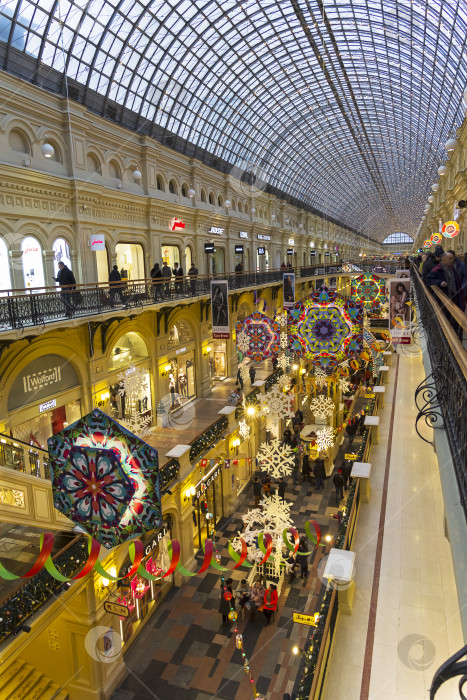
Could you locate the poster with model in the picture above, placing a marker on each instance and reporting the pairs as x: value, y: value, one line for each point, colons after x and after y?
x: 403, y: 274
x: 289, y: 289
x: 220, y: 309
x: 399, y: 311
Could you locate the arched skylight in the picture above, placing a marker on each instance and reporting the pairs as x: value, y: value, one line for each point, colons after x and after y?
x: 343, y: 104
x: 398, y: 238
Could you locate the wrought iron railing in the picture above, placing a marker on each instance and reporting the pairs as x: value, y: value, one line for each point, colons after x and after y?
x: 453, y: 667
x: 22, y: 457
x: 442, y: 397
x: 22, y: 308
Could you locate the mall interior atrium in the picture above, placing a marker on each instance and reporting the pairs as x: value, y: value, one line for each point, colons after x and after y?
x: 233, y: 349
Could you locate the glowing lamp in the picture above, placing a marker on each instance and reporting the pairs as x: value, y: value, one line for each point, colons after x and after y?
x: 47, y: 150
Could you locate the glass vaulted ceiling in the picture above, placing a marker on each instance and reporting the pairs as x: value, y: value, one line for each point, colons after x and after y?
x: 344, y: 104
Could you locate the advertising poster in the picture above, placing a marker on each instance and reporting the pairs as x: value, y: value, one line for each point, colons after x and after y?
x: 399, y: 311
x: 220, y: 309
x: 289, y: 289
x: 403, y: 274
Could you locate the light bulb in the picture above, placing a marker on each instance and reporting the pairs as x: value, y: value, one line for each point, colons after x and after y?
x: 47, y: 150
x: 137, y: 175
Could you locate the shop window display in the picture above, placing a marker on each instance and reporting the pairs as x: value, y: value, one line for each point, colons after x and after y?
x: 179, y: 333
x: 123, y: 405
x: 209, y: 505
x: 130, y: 348
x: 33, y: 268
x: 61, y: 251
x: 130, y: 261
x: 37, y: 430
x: 170, y: 254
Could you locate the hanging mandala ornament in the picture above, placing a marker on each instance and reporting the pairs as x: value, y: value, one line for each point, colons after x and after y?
x: 322, y: 406
x: 243, y: 342
x: 369, y: 290
x: 132, y: 382
x: 283, y: 361
x: 284, y: 340
x: 325, y: 438
x: 344, y: 385
x: 321, y: 378
x: 263, y: 335
x: 244, y: 429
x: 276, y: 405
x: 275, y: 458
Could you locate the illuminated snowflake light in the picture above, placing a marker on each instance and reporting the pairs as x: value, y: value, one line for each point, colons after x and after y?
x: 322, y: 406
x: 275, y: 458
x: 325, y: 438
x: 276, y: 405
x: 244, y: 429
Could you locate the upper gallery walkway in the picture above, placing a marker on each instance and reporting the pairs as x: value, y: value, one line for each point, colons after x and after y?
x: 22, y: 309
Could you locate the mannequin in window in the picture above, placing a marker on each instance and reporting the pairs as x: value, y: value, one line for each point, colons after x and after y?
x: 172, y: 389
x: 182, y: 381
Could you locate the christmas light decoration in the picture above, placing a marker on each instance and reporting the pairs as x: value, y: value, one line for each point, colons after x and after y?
x: 276, y: 405
x: 322, y: 406
x: 263, y: 334
x: 275, y: 458
x: 368, y: 290
x: 325, y: 438
x: 244, y: 429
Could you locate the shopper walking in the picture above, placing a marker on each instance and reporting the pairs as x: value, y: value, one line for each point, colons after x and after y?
x: 193, y: 275
x: 239, y: 378
x: 281, y: 488
x: 338, y: 482
x: 306, y: 469
x: 351, y: 431
x: 242, y: 596
x: 67, y: 282
x: 257, y: 490
x: 271, y: 598
x: 252, y: 373
x: 302, y: 557
x: 320, y: 473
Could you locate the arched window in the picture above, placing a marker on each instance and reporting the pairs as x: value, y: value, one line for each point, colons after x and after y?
x: 203, y: 196
x: 240, y: 208
x: 179, y: 333
x: 33, y: 267
x: 130, y: 260
x: 114, y: 170
x: 61, y: 251
x: 188, y: 257
x: 57, y: 154
x: 160, y: 183
x: 247, y: 208
x: 92, y: 164
x: 220, y: 202
x: 243, y: 311
x: 173, y: 187
x: 184, y: 190
x: 19, y: 142
x: 233, y: 205
x: 5, y: 277
x: 211, y: 198
x: 128, y: 349
x: 398, y: 238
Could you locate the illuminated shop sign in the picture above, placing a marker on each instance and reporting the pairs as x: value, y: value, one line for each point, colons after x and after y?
x: 238, y: 250
x: 47, y: 405
x: 175, y: 223
x: 261, y: 250
x: 216, y: 230
x: 209, y: 247
x: 291, y: 241
x: 150, y: 547
x: 263, y: 237
x: 243, y: 234
x: 97, y: 242
x: 289, y: 251
x: 202, y: 485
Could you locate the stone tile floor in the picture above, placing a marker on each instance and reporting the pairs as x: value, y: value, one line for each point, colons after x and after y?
x: 185, y: 653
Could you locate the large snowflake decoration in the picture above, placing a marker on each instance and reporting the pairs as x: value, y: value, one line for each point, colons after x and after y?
x: 263, y: 335
x: 244, y: 372
x: 344, y: 385
x: 284, y: 340
x: 138, y: 423
x: 283, y: 361
x: 322, y: 406
x: 275, y: 458
x: 276, y: 404
x: 275, y: 511
x: 243, y: 342
x: 284, y: 381
x: 325, y: 438
x: 244, y: 429
x: 369, y: 290
x: 321, y: 378
x: 132, y: 381
x: 326, y: 328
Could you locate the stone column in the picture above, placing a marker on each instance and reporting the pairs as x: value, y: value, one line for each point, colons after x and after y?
x: 17, y: 277
x: 49, y: 274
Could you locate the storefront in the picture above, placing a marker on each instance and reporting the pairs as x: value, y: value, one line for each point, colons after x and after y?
x: 44, y: 398
x: 219, y: 360
x: 140, y: 596
x: 33, y: 264
x: 125, y: 404
x: 208, y: 503
x: 181, y: 364
x: 170, y: 254
x: 130, y: 261
x: 5, y: 276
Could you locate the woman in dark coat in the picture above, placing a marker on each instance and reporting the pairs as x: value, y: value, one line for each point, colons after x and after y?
x: 306, y: 470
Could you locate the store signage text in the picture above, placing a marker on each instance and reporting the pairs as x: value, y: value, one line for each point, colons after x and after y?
x: 180, y: 350
x: 261, y: 250
x: 350, y: 457
x: 243, y: 234
x: 176, y: 223
x: 209, y: 247
x: 304, y: 619
x: 148, y: 549
x: 97, y: 241
x: 116, y: 609
x: 291, y: 241
x: 39, y: 380
x: 47, y: 405
x: 202, y: 485
x: 289, y: 251
x: 312, y: 252
x: 238, y: 250
x: 216, y: 230
x: 263, y: 237
x: 31, y: 250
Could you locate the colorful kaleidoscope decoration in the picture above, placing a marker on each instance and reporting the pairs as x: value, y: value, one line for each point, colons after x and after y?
x: 105, y: 479
x: 263, y: 334
x: 369, y: 290
x: 326, y: 328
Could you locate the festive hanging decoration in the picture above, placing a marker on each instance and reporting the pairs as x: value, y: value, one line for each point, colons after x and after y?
x: 344, y: 385
x: 450, y: 229
x: 321, y: 377
x: 243, y: 342
x: 138, y: 423
x: 284, y: 381
x: 263, y: 335
x: 283, y: 361
x: 276, y: 405
x: 105, y: 479
x: 373, y: 347
x: 326, y: 328
x: 284, y: 340
x: 244, y: 429
x: 132, y: 381
x: 275, y: 458
x: 322, y: 406
x: 325, y: 438
x: 369, y: 290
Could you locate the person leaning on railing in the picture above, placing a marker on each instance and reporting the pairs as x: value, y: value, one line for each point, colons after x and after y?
x: 67, y: 282
x: 449, y: 280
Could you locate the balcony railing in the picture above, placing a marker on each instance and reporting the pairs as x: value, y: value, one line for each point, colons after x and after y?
x: 23, y: 308
x: 23, y: 457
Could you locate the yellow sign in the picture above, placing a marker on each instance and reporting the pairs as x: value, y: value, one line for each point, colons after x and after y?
x: 314, y: 453
x: 304, y: 619
x: 369, y: 396
x: 116, y: 609
x: 351, y: 458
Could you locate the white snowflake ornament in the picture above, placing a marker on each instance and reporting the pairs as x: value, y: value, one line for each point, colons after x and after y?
x: 243, y: 342
x: 276, y: 405
x: 284, y: 340
x: 283, y: 361
x: 137, y: 423
x: 275, y: 511
x: 344, y: 385
x: 325, y: 438
x: 284, y: 381
x: 132, y: 382
x: 244, y: 373
x: 275, y: 458
x: 322, y: 406
x: 320, y: 377
x: 244, y: 429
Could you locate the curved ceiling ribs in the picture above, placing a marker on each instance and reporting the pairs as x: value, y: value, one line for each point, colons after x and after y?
x: 343, y: 104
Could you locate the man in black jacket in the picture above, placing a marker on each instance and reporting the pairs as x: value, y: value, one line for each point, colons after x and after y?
x: 167, y: 274
x: 156, y: 276
x: 432, y: 261
x: 193, y: 274
x: 338, y: 482
x: 115, y: 288
x: 66, y: 280
x: 178, y: 274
